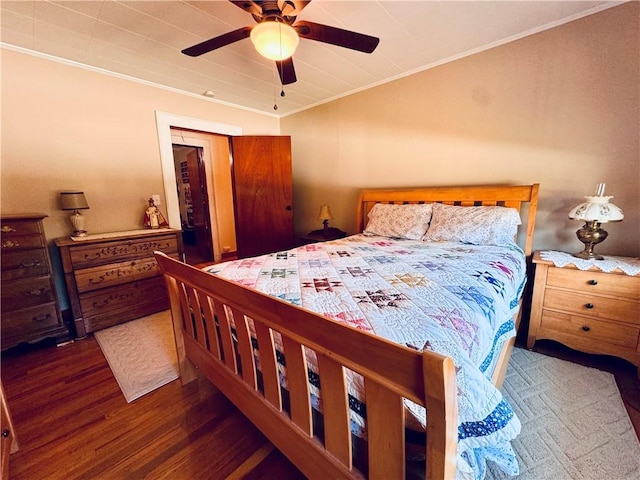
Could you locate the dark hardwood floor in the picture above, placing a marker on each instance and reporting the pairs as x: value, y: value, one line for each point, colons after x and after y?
x: 72, y: 421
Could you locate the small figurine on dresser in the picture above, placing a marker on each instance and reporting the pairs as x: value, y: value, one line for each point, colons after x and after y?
x: 153, y: 217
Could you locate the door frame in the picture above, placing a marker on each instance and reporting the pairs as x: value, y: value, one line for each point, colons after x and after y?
x: 164, y: 122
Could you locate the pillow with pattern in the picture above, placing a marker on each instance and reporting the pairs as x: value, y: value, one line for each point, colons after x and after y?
x: 408, y: 221
x: 475, y: 225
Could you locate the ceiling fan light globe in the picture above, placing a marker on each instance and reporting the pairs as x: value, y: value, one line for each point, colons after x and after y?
x: 274, y: 40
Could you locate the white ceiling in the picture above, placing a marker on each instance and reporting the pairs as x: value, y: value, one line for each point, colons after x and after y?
x: 144, y: 39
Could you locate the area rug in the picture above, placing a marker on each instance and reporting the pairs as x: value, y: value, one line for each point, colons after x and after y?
x: 574, y: 424
x: 141, y: 353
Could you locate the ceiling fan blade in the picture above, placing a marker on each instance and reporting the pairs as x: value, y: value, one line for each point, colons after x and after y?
x: 292, y: 7
x: 217, y: 42
x: 286, y: 71
x: 337, y: 36
x: 248, y: 6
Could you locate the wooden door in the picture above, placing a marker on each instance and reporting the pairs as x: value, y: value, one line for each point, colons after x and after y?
x: 263, y: 194
x: 200, y: 205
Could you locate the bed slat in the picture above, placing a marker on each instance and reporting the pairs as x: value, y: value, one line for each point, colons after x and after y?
x: 187, y: 316
x: 337, y: 436
x: 245, y: 349
x: 269, y: 368
x: 385, y: 432
x: 298, y: 382
x: 213, y: 342
x: 228, y: 352
x: 442, y: 422
x: 198, y: 327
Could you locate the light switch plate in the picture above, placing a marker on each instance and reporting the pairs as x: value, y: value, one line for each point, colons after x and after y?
x: 156, y: 199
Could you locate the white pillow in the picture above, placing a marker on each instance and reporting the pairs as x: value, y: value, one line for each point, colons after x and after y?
x: 408, y: 221
x: 475, y: 225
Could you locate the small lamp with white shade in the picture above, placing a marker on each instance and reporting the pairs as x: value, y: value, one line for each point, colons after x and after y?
x: 594, y: 212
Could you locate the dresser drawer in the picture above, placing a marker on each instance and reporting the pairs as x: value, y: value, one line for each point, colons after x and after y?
x: 593, y: 305
x: 29, y: 322
x: 24, y: 264
x: 564, y: 326
x: 15, y: 227
x: 25, y: 293
x: 20, y: 242
x: 124, y: 314
x: 94, y: 278
x: 129, y: 296
x: 114, y: 252
x: 595, y: 282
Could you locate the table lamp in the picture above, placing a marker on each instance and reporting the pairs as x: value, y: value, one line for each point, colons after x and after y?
x: 75, y: 201
x: 595, y: 211
x: 325, y: 216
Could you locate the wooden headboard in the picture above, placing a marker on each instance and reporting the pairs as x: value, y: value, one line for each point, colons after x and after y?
x: 500, y: 195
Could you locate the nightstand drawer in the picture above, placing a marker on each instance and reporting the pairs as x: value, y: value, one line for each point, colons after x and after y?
x: 595, y: 282
x: 564, y: 326
x: 596, y: 306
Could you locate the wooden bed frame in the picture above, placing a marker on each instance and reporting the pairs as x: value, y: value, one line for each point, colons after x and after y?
x: 205, y: 343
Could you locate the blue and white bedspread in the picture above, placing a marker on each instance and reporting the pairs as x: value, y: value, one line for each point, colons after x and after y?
x: 455, y: 299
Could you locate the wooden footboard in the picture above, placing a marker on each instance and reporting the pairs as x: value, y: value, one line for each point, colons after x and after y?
x: 213, y: 321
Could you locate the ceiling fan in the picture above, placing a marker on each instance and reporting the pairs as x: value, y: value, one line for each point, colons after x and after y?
x: 277, y: 34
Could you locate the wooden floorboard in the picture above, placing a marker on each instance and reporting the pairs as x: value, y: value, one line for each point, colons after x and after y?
x: 72, y: 421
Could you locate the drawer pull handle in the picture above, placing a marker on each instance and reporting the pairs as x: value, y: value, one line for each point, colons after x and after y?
x: 30, y: 264
x: 7, y: 229
x: 592, y: 282
x: 42, y: 318
x: 589, y: 305
x: 586, y: 328
x: 37, y: 292
x: 6, y: 432
x: 10, y: 244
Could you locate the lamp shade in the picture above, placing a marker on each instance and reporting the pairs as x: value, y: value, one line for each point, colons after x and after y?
x: 73, y: 201
x: 598, y: 209
x: 274, y: 40
x: 325, y: 213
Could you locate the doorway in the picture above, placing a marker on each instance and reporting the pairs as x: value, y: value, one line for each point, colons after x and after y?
x: 193, y: 204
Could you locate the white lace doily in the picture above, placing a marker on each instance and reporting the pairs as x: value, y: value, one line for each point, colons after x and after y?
x: 629, y: 265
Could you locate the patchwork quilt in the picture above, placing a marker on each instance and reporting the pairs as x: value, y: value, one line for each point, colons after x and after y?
x: 452, y: 298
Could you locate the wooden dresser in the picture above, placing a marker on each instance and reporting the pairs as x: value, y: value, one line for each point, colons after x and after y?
x: 589, y: 310
x: 29, y: 305
x: 113, y: 278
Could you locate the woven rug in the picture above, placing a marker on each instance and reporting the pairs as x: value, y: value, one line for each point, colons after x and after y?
x: 141, y: 353
x: 574, y: 424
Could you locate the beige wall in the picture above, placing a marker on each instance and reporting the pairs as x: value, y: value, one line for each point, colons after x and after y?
x: 560, y: 108
x: 65, y: 127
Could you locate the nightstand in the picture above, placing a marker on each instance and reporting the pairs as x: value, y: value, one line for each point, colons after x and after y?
x: 322, y: 236
x: 593, y: 310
